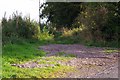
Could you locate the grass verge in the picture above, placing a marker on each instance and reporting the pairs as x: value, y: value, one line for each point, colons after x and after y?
x: 28, y: 51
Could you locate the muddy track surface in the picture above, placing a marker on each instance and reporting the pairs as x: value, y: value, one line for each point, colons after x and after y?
x: 90, y: 62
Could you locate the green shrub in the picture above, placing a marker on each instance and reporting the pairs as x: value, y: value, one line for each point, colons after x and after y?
x: 18, y: 27
x: 45, y: 34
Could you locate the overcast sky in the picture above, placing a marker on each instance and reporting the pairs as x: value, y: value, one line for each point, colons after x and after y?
x: 26, y: 7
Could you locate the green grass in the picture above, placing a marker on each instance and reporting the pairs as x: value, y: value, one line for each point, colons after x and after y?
x: 108, y: 51
x: 48, y: 72
x: 52, y: 60
x: 79, y: 40
x: 28, y: 51
x: 65, y: 54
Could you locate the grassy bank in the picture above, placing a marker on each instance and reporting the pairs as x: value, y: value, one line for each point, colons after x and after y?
x: 28, y: 51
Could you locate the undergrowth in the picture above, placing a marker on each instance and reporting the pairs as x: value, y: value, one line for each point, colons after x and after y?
x: 77, y: 36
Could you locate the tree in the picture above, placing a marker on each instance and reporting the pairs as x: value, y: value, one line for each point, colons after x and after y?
x: 61, y: 14
x: 101, y: 20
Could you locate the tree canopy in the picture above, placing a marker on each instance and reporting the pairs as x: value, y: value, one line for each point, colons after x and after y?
x: 61, y: 14
x: 100, y: 19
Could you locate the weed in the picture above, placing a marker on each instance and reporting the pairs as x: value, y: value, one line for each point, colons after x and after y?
x: 65, y: 54
x: 110, y: 51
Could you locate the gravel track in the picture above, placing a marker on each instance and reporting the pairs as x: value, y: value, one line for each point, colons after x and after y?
x: 90, y: 62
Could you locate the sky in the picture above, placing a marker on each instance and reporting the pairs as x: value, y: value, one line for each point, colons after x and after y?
x: 26, y: 7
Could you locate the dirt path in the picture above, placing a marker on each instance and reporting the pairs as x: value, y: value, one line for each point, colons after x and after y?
x: 90, y: 62
x: 78, y: 50
x: 111, y: 72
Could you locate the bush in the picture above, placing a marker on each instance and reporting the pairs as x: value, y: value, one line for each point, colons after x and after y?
x: 100, y: 20
x: 18, y: 27
x: 45, y: 35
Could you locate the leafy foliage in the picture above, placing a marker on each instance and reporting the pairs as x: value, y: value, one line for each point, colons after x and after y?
x: 100, y: 21
x: 97, y: 21
x: 17, y: 27
x: 61, y: 14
